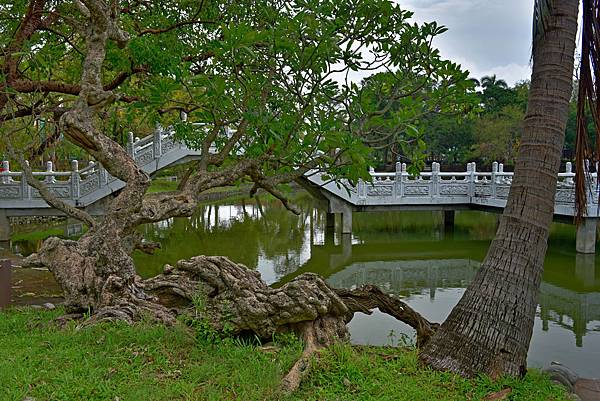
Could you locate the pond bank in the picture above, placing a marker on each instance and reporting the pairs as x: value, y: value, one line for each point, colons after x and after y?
x: 151, y: 362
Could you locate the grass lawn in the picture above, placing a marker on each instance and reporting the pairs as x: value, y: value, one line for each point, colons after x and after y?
x: 158, y: 185
x: 151, y: 362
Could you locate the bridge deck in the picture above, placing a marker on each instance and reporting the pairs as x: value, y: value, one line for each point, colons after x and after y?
x: 435, y: 190
x: 438, y: 190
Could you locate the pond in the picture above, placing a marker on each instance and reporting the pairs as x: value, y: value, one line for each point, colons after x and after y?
x: 405, y: 253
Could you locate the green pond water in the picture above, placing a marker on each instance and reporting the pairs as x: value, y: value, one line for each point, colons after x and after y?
x: 405, y: 253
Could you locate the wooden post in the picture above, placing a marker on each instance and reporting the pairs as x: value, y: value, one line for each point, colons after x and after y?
x: 4, y: 226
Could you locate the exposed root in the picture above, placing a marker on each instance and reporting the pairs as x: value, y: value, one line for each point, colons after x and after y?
x: 228, y: 296
x: 369, y: 297
x: 316, y: 335
x: 235, y: 296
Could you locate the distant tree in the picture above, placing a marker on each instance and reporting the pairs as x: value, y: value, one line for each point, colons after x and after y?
x: 497, y: 135
x: 400, y: 131
x: 490, y: 81
x: 496, y: 94
x: 449, y: 138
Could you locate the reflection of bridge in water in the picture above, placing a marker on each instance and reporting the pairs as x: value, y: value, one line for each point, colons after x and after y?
x: 350, y: 266
x: 404, y: 277
x: 569, y: 309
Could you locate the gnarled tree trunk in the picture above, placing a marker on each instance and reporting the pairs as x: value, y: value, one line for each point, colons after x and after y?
x: 490, y: 328
x: 235, y: 300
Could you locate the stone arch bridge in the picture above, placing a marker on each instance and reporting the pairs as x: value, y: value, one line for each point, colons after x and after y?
x: 89, y: 187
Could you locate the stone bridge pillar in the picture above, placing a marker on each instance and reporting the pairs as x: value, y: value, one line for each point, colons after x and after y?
x: 4, y: 226
x: 586, y: 235
x: 347, y: 220
x: 329, y: 222
x: 448, y: 222
x: 337, y: 205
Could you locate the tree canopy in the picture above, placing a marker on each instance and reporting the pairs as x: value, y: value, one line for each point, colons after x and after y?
x: 285, y: 76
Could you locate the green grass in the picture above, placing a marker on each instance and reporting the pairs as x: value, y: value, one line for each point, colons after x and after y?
x: 345, y: 372
x: 162, y: 186
x: 38, y: 235
x: 152, y: 362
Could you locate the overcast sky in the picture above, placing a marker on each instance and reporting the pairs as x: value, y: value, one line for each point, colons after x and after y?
x: 485, y: 36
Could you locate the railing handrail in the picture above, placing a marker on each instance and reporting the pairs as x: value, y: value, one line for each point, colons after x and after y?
x: 428, y: 185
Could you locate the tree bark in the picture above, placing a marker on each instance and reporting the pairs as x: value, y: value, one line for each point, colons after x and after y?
x: 490, y: 328
x: 234, y: 300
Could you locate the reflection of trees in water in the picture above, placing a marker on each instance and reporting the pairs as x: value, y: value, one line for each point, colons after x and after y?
x: 244, y: 232
x: 423, y: 225
x: 413, y: 253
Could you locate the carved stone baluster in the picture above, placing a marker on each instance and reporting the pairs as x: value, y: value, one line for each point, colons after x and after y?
x: 362, y: 191
x: 49, y: 179
x: 25, y: 188
x: 569, y: 170
x: 157, y: 141
x: 494, y: 178
x: 130, y: 147
x: 398, y: 180
x: 75, y: 179
x: 435, y: 179
x: 471, y: 179
x: 402, y: 178
x: 102, y: 175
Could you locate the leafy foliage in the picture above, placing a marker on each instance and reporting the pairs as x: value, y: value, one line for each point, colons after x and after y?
x: 285, y: 75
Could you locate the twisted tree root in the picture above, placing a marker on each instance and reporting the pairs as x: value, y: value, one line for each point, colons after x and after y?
x: 369, y: 297
x: 236, y: 296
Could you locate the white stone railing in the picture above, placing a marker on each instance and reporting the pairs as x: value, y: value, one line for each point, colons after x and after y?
x: 469, y: 187
x: 85, y: 186
x: 91, y: 183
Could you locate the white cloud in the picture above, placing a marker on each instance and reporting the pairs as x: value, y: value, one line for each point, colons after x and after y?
x: 511, y: 73
x: 484, y: 36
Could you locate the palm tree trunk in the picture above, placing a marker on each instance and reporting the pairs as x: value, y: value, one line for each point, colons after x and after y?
x: 490, y: 328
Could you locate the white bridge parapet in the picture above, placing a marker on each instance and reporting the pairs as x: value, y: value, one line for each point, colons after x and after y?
x: 437, y: 188
x: 83, y: 187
